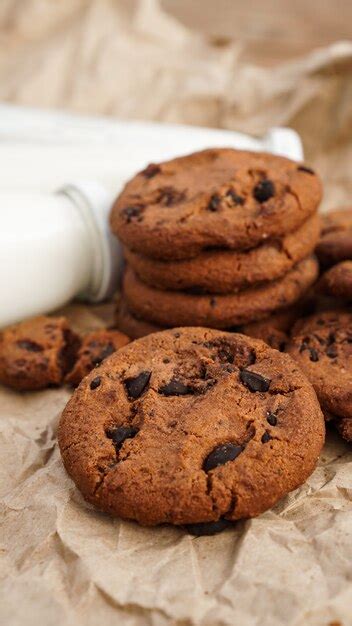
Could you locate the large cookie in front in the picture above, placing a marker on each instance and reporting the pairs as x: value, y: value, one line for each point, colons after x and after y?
x: 189, y: 426
x: 173, y: 308
x: 226, y: 271
x: 322, y: 346
x: 218, y: 197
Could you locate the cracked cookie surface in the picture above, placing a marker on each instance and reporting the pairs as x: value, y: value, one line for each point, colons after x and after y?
x: 322, y: 346
x: 226, y: 271
x: 173, y: 308
x: 218, y: 197
x: 191, y: 426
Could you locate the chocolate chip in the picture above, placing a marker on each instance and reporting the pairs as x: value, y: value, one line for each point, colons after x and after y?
x: 106, y: 351
x: 264, y: 190
x: 175, y: 388
x: 214, y: 202
x: 304, y: 168
x: 271, y: 419
x: 170, y: 196
x: 212, y: 302
x: 221, y: 455
x: 30, y: 346
x: 313, y: 354
x: 208, y: 528
x: 119, y: 434
x: 151, y: 170
x: 331, y: 351
x: 236, y: 199
x: 136, y: 385
x: 95, y: 382
x: 132, y: 213
x: 254, y: 381
x: 266, y: 437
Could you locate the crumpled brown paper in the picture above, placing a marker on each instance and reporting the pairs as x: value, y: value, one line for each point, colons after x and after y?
x: 62, y: 562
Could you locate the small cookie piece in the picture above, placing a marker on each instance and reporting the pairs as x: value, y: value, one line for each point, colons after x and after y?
x: 337, y: 281
x: 174, y: 308
x: 191, y: 426
x: 218, y: 197
x: 96, y: 346
x: 37, y: 353
x: 344, y: 427
x: 322, y: 346
x: 227, y: 271
x: 335, y: 244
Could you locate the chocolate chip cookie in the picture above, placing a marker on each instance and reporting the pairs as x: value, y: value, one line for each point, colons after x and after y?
x: 226, y: 271
x: 221, y: 311
x: 96, y: 346
x: 337, y: 281
x: 218, y: 197
x: 37, y: 353
x: 322, y: 346
x: 336, y: 238
x: 191, y: 426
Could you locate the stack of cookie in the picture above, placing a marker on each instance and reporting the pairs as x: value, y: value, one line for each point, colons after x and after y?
x: 219, y: 238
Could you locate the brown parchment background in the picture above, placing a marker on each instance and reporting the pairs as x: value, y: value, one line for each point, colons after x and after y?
x: 62, y: 563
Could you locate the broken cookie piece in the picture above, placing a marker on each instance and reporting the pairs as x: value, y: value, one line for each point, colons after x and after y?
x: 37, y: 353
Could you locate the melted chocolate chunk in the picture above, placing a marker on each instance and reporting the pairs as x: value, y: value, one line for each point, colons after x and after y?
x: 175, y: 388
x: 266, y: 437
x: 331, y: 351
x: 136, y: 385
x: 271, y: 419
x: 133, y: 213
x: 214, y: 202
x: 170, y: 196
x: 106, y: 351
x: 208, y: 528
x: 30, y: 346
x: 119, y: 434
x: 304, y: 168
x: 313, y: 355
x: 95, y: 382
x: 253, y: 381
x: 264, y: 190
x: 151, y: 170
x: 236, y: 199
x: 221, y: 455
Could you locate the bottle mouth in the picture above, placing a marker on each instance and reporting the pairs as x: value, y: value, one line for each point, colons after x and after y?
x: 93, y: 203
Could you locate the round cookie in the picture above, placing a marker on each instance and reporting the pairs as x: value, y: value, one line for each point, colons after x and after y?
x: 322, y: 346
x: 218, y: 197
x: 222, y: 311
x: 337, y: 281
x: 96, y: 346
x: 37, y: 353
x: 227, y: 271
x: 191, y: 426
x: 336, y: 237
